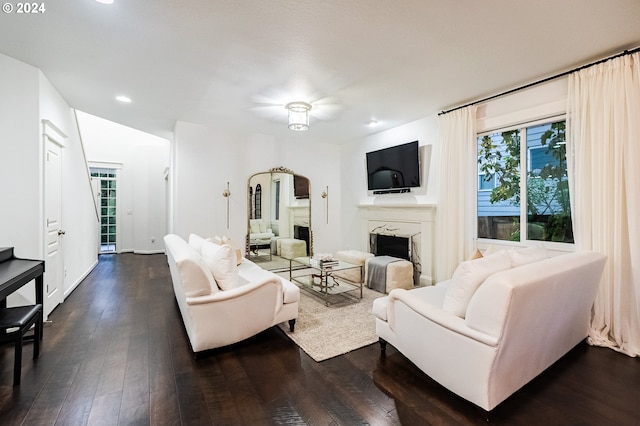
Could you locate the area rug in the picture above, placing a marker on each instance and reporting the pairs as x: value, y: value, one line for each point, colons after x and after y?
x: 324, y: 332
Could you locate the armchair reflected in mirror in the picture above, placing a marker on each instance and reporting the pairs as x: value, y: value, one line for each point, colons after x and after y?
x: 278, y: 218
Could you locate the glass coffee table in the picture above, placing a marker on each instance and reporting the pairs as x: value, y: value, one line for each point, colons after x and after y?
x: 255, y: 245
x: 320, y: 278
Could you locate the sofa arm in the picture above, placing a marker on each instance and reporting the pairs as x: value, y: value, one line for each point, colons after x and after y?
x: 434, y: 314
x: 234, y: 293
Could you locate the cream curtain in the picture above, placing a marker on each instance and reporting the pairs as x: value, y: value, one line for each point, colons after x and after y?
x: 603, y: 145
x: 458, y: 175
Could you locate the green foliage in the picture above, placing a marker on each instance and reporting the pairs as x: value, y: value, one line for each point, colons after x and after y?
x: 505, y: 166
x: 547, y: 188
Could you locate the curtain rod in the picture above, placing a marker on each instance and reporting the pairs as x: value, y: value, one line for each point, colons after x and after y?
x: 544, y: 80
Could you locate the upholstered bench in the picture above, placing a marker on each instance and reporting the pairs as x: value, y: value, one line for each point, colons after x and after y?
x: 14, y: 323
x: 399, y: 275
x: 354, y: 257
x: 290, y: 248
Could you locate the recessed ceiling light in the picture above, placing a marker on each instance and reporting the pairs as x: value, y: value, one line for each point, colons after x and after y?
x: 123, y: 99
x: 105, y: 1
x: 373, y: 123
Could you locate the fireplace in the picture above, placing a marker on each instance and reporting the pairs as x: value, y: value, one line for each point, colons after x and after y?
x: 302, y: 233
x: 404, y: 231
x: 390, y: 245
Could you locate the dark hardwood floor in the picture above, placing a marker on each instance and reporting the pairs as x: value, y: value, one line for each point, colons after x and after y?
x: 117, y: 353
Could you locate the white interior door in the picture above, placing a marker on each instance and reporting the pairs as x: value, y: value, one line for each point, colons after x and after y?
x: 54, y: 266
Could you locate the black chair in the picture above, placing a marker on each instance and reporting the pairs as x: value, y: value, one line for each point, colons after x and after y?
x: 20, y: 318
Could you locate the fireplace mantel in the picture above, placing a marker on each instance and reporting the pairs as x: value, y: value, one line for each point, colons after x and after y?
x: 403, y: 219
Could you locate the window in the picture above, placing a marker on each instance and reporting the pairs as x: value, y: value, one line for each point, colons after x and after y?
x: 276, y: 213
x: 251, y: 208
x: 257, y: 204
x: 523, y: 188
x: 486, y: 182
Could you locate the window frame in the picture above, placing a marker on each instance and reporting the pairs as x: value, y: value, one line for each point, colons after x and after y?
x: 524, y: 165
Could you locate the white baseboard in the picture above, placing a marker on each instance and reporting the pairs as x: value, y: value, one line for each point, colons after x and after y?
x: 68, y: 291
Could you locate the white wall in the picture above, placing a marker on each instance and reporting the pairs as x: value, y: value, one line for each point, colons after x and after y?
x: 27, y: 99
x: 205, y: 158
x: 79, y: 219
x: 538, y: 102
x: 354, y: 175
x: 142, y: 159
x: 21, y: 159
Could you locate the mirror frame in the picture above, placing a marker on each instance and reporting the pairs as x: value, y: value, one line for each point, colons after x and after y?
x: 271, y: 171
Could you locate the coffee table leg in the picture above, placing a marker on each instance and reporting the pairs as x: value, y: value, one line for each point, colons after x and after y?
x: 326, y: 288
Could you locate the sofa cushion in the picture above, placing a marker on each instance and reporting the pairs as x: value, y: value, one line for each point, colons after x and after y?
x: 197, y: 279
x: 468, y: 277
x: 221, y: 260
x: 531, y: 254
x: 196, y: 242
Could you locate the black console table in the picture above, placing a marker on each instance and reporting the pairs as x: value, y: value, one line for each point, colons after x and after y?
x: 15, y: 272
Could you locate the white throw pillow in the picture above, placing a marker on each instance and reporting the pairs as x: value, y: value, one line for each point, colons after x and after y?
x: 196, y: 242
x: 222, y: 263
x: 468, y: 276
x: 197, y: 279
x: 236, y: 250
x: 531, y: 254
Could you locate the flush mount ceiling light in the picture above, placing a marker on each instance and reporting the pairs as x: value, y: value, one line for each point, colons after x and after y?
x: 123, y: 99
x: 298, y: 115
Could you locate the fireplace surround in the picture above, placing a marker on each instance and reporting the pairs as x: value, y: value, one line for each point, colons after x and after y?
x: 405, y: 231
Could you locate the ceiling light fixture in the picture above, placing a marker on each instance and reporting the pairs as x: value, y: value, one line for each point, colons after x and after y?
x: 123, y: 99
x: 105, y: 1
x: 298, y: 115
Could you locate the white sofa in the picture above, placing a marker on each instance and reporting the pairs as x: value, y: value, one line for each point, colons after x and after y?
x: 224, y: 298
x: 513, y: 320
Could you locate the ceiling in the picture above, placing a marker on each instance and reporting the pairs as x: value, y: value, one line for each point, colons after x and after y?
x: 236, y: 63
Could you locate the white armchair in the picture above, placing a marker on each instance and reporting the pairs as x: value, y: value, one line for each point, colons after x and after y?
x: 259, y: 230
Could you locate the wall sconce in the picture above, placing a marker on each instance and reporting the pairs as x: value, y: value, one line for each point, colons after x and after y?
x: 226, y: 194
x: 325, y: 195
x: 298, y: 115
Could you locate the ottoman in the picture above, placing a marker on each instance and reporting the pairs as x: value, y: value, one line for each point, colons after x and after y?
x: 354, y: 257
x: 399, y: 275
x: 290, y: 248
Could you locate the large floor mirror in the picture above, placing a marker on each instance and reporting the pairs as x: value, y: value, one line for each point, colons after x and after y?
x: 278, y: 218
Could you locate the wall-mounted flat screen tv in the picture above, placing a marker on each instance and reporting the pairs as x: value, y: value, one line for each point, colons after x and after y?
x: 396, y: 167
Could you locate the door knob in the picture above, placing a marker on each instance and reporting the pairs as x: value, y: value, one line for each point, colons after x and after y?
x: 61, y: 232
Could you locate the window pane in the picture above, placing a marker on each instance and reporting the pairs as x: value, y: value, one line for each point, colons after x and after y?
x: 548, y: 208
x: 499, y: 168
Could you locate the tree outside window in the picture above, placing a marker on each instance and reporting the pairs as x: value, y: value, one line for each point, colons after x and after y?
x: 546, y: 215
